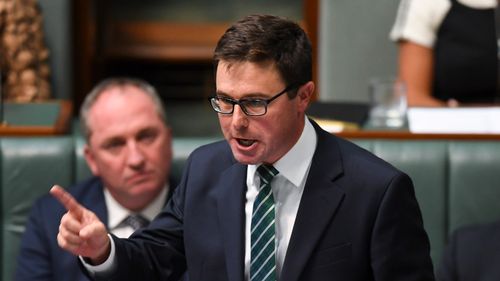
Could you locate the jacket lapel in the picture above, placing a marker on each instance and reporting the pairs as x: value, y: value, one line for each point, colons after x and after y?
x: 320, y: 200
x: 230, y: 200
x: 95, y: 200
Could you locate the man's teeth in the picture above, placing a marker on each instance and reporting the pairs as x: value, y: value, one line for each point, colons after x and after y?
x: 245, y: 142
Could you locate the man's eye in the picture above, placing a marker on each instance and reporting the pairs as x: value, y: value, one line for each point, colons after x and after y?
x: 253, y: 103
x: 147, y: 137
x: 113, y: 145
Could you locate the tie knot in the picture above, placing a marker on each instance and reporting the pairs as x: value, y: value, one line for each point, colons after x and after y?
x: 267, y: 173
x: 136, y: 221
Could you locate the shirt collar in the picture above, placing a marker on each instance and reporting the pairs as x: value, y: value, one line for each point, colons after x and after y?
x: 295, y: 163
x: 117, y: 213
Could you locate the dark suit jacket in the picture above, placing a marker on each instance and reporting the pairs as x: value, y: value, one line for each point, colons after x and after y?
x: 40, y: 257
x: 358, y: 220
x: 472, y: 254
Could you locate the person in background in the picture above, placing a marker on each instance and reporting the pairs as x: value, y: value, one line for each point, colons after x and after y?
x: 128, y: 149
x: 447, y: 51
x: 278, y: 199
x: 472, y: 254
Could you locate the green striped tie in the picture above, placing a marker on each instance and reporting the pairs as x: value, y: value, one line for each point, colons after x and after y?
x: 263, y: 251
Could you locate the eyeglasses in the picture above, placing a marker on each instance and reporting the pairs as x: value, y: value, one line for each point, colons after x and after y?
x: 250, y: 106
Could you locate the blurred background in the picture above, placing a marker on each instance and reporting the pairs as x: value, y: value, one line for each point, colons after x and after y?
x: 170, y: 43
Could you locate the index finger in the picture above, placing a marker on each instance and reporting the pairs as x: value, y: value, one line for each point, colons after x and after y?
x: 67, y: 200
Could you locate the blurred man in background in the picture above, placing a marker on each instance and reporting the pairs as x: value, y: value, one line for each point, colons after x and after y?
x: 128, y: 149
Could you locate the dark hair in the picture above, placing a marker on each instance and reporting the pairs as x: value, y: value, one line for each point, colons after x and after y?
x: 262, y: 38
x: 118, y: 82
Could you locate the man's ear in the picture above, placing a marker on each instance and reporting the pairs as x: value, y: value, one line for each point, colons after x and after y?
x: 89, y: 158
x: 305, y: 94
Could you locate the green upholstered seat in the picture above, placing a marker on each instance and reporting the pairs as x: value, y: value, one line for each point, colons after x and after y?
x: 29, y: 168
x: 474, y: 176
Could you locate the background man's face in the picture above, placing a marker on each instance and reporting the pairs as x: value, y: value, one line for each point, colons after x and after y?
x: 129, y: 146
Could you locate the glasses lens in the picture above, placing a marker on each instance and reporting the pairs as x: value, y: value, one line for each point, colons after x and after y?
x: 254, y: 107
x: 221, y: 105
x: 215, y: 105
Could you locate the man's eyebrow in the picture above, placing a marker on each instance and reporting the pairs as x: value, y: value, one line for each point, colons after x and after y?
x: 247, y: 95
x: 220, y: 93
x: 147, y: 130
x: 110, y: 140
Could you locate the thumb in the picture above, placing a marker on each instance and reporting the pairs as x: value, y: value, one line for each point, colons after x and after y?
x: 94, y: 230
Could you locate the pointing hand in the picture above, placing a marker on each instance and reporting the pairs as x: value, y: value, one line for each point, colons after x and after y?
x: 81, y: 232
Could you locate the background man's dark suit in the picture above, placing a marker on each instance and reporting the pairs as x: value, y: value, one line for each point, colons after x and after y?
x: 358, y: 218
x: 472, y: 254
x: 40, y: 256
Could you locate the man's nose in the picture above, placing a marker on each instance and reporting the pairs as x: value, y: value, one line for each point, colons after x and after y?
x: 135, y: 155
x: 239, y: 118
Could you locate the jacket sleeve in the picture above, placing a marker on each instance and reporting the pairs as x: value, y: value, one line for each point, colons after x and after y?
x: 400, y: 246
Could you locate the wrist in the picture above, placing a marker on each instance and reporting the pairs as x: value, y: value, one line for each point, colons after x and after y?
x: 100, y: 257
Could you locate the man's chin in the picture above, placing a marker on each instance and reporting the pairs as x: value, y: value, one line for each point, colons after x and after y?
x: 246, y: 159
x: 144, y: 190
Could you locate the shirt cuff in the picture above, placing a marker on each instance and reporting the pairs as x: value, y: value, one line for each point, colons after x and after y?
x: 104, y: 267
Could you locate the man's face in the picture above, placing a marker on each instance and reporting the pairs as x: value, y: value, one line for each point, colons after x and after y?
x: 266, y: 138
x: 129, y: 146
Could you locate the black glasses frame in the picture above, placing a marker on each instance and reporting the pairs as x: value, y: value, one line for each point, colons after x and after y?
x: 244, y: 102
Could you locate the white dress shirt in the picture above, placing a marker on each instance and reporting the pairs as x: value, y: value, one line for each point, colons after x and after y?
x: 117, y: 213
x: 287, y: 188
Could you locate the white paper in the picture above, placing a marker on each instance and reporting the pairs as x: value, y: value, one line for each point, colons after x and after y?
x: 462, y: 120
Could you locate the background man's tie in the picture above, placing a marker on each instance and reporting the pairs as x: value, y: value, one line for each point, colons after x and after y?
x: 263, y: 250
x: 136, y: 221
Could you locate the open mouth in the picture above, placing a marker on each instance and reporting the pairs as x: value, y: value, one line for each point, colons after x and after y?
x: 245, y: 142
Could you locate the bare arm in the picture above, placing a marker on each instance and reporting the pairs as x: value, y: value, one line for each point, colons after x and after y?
x: 81, y: 232
x: 416, y: 64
